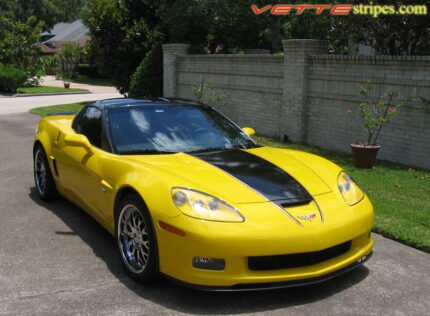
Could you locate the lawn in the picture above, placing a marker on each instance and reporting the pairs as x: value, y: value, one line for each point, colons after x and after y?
x: 94, y: 81
x: 44, y: 89
x: 71, y: 107
x: 400, y: 195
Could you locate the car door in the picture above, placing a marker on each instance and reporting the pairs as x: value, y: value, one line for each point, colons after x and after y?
x: 79, y: 169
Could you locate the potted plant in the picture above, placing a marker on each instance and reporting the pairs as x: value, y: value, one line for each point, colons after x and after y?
x: 67, y: 76
x: 375, y: 113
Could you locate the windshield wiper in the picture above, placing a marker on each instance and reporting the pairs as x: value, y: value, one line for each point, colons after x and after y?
x: 201, y: 150
x: 145, y: 152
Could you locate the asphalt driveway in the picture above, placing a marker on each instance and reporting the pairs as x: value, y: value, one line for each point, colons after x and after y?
x: 54, y: 259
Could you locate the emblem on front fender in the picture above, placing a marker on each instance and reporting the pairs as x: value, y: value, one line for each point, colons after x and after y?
x: 307, y: 217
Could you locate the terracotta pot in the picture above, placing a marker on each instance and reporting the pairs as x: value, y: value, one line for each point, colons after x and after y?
x: 364, y: 155
x: 67, y: 85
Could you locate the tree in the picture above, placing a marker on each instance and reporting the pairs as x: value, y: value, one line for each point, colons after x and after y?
x: 48, y: 11
x: 17, y: 47
x: 18, y: 41
x: 392, y: 34
x: 69, y: 10
x: 22, y: 10
x: 214, y: 25
x: 122, y: 32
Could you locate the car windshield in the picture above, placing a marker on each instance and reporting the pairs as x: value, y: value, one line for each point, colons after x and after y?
x: 164, y: 128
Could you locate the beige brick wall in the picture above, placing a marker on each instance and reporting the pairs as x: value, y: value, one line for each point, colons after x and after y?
x: 250, y: 86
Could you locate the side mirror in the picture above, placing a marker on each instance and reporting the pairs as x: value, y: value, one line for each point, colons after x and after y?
x: 249, y: 131
x: 78, y: 140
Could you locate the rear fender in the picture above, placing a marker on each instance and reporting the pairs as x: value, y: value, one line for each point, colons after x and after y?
x: 46, y: 136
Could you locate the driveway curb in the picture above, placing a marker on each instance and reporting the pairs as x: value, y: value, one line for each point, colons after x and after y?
x: 48, y: 94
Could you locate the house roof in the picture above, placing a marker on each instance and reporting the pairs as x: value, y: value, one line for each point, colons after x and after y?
x: 67, y: 32
x: 62, y: 33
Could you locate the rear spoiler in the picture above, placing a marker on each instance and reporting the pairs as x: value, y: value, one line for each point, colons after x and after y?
x: 61, y: 113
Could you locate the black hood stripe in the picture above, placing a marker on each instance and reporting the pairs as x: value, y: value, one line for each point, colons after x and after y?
x: 259, y: 174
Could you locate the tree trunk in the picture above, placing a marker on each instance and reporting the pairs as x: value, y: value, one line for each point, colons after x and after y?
x: 275, y: 29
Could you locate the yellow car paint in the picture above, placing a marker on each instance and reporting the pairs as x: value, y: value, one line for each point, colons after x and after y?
x: 93, y: 179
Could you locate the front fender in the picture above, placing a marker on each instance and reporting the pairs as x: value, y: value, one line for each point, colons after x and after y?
x: 151, y: 184
x: 324, y: 168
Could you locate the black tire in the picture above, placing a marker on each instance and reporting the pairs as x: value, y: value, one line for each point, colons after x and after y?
x: 46, y: 189
x: 129, y: 238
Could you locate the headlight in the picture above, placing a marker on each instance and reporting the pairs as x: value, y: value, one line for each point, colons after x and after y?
x: 349, y: 189
x: 204, y: 206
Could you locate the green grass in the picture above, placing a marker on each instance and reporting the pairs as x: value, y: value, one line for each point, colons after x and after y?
x: 400, y: 195
x: 44, y: 89
x: 94, y: 81
x: 71, y: 107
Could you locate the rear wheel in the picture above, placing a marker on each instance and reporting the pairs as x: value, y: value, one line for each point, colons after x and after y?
x: 135, y: 239
x: 44, y: 181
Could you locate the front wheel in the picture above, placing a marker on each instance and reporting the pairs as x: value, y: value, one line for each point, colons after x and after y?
x: 135, y: 239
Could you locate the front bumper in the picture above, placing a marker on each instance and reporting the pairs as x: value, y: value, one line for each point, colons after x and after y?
x: 264, y: 234
x: 248, y: 287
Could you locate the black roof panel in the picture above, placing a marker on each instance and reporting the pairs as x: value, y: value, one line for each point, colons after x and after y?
x: 123, y: 102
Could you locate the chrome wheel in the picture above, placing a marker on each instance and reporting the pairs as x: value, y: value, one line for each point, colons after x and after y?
x: 40, y: 172
x: 133, y: 238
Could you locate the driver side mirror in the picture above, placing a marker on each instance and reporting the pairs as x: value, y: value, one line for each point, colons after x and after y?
x: 79, y: 140
x: 249, y: 131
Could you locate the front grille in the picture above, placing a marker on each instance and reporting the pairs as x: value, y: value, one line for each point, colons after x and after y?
x: 298, y: 259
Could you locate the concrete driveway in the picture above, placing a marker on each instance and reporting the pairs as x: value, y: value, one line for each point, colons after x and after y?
x: 52, y: 82
x: 9, y: 105
x: 54, y: 259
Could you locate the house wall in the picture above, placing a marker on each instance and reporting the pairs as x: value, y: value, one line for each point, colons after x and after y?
x: 311, y: 97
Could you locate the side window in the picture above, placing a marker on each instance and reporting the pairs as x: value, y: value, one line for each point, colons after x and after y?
x: 89, y: 123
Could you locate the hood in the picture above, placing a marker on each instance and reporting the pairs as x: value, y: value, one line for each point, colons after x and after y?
x: 244, y: 176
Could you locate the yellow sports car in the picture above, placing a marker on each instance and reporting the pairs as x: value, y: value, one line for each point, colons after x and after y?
x: 189, y: 195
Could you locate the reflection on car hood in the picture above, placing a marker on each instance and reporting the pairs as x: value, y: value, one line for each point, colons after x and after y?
x: 245, y: 176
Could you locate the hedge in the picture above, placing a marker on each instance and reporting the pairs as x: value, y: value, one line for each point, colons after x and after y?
x: 11, y: 78
x: 88, y: 70
x: 147, y: 80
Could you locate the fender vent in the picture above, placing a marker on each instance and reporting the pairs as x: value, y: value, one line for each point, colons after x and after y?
x: 55, y: 166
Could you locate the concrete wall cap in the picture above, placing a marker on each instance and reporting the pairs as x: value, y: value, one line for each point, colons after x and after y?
x: 172, y: 47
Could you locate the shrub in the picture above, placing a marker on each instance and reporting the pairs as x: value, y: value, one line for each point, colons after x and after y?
x: 147, y: 80
x: 11, y: 78
x: 88, y: 70
x: 205, y: 92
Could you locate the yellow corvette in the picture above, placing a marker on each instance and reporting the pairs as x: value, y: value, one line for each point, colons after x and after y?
x: 189, y: 195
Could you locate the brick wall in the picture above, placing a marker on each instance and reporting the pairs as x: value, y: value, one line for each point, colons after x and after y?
x: 250, y: 86
x: 306, y: 95
x: 332, y: 91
